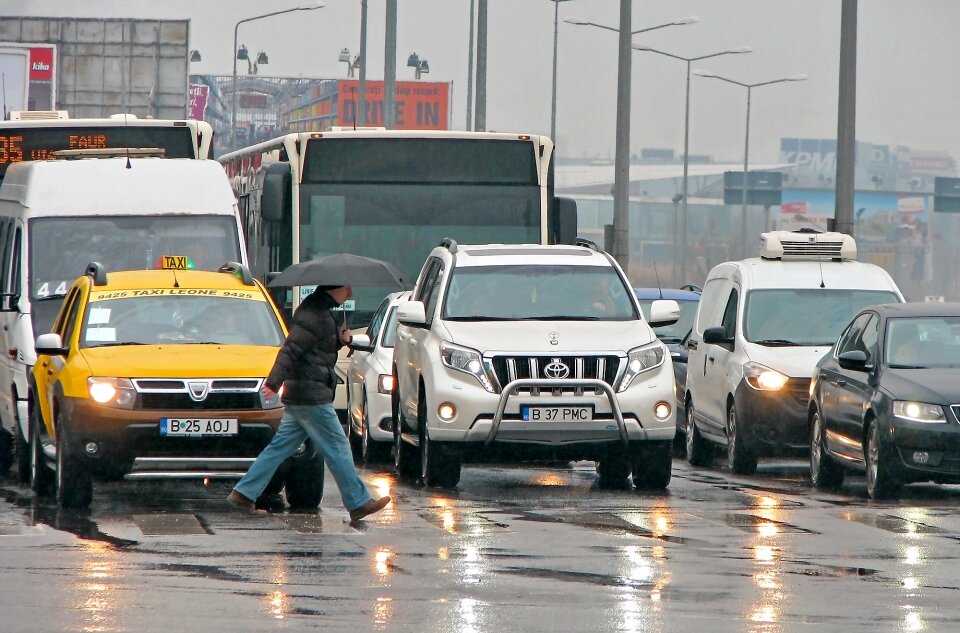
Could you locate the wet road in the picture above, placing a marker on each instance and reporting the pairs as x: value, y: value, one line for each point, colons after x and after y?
x: 513, y: 549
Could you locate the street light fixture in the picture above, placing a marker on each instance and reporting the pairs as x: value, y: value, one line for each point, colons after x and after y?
x: 746, y: 142
x: 421, y: 65
x: 194, y: 55
x: 682, y: 219
x: 621, y: 176
x: 310, y: 6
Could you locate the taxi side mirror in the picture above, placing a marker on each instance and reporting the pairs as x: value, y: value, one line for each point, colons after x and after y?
x: 361, y: 343
x: 50, y: 344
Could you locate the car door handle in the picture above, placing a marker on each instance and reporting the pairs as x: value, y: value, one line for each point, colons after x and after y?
x: 841, y: 382
x: 691, y: 345
x: 711, y: 359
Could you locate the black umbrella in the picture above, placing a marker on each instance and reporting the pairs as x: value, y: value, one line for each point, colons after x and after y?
x: 341, y: 269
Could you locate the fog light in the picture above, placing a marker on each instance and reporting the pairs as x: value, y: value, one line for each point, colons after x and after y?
x: 91, y: 448
x: 921, y: 457
x: 446, y: 411
x: 662, y: 410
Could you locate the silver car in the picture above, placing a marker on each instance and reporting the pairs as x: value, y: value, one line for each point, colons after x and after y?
x: 370, y: 383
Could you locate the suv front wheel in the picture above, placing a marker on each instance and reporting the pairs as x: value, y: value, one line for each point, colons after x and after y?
x: 439, y: 463
x: 406, y: 460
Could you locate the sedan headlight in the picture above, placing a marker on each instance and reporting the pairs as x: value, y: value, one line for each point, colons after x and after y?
x: 467, y: 360
x: 918, y: 411
x: 112, y: 392
x: 642, y: 359
x: 273, y: 401
x: 763, y: 378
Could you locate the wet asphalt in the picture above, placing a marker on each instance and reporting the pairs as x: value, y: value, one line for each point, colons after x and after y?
x: 513, y: 548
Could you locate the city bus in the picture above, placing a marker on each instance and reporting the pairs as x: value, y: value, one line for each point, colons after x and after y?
x: 38, y: 135
x: 392, y: 195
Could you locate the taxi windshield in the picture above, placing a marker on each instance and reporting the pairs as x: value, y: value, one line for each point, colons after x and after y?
x: 538, y: 293
x: 148, y: 319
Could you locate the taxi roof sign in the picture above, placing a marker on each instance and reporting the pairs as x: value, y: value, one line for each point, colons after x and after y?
x: 176, y: 262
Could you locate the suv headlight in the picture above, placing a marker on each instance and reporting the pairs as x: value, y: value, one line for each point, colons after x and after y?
x: 467, y: 360
x: 763, y: 378
x: 112, y: 392
x: 273, y: 402
x: 642, y: 359
x: 918, y: 411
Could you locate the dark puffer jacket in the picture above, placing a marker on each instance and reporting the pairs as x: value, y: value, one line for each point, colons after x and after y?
x: 305, y: 363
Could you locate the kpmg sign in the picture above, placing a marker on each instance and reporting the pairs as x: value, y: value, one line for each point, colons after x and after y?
x: 817, y: 155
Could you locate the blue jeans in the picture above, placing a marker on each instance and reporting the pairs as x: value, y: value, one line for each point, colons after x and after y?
x: 319, y: 422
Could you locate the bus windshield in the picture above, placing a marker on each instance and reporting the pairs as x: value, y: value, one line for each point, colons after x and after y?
x: 394, y: 199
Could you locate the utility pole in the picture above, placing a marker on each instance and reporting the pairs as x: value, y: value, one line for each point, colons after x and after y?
x: 621, y: 173
x: 846, y: 117
x: 390, y: 67
x: 481, y: 121
x: 470, y: 70
x: 362, y: 87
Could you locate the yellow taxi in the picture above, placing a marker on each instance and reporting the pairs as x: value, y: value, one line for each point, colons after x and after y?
x: 159, y: 374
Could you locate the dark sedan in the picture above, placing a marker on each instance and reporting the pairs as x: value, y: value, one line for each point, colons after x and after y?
x: 885, y: 399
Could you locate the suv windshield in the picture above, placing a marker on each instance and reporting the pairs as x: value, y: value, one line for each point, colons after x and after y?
x: 805, y: 317
x: 179, y: 319
x: 515, y: 293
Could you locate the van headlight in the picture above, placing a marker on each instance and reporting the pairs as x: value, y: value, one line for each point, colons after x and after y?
x: 918, y: 411
x: 763, y: 378
x: 112, y: 392
x: 467, y: 360
x: 642, y: 359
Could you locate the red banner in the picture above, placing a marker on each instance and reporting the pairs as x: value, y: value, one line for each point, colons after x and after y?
x: 420, y: 105
x: 198, y: 94
x: 41, y: 64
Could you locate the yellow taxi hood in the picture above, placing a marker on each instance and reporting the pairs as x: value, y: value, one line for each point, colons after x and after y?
x: 181, y: 361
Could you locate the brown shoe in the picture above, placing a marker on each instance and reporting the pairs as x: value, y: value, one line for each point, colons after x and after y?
x: 374, y: 505
x: 243, y: 504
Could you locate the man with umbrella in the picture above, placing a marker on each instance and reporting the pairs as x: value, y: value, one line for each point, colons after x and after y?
x: 305, y: 368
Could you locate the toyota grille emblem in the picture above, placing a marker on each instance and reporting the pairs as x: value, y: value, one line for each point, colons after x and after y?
x: 198, y: 391
x: 556, y: 369
x: 554, y: 338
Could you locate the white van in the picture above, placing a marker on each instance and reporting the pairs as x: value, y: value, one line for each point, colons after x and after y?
x: 762, y: 325
x: 58, y: 216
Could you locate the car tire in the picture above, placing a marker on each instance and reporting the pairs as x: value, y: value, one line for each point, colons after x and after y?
x: 304, y: 482
x: 22, y: 452
x: 41, y: 476
x: 74, y: 483
x: 439, y: 463
x: 740, y: 457
x: 6, y: 452
x: 406, y: 459
x: 653, y: 468
x: 371, y: 452
x: 613, y: 470
x: 883, y: 481
x: 825, y: 473
x: 699, y: 451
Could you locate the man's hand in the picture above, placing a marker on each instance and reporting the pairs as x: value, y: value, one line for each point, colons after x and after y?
x: 345, y: 336
x: 267, y: 392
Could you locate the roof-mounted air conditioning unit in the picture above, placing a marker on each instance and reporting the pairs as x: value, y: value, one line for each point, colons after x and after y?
x: 38, y: 115
x: 807, y: 245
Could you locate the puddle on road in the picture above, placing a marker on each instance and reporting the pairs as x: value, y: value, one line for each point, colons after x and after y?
x: 606, y: 521
x: 757, y: 525
x: 169, y: 524
x: 316, y: 524
x: 578, y: 576
x: 73, y: 521
x: 892, y: 523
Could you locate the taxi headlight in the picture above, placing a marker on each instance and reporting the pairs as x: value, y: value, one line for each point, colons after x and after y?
x: 273, y: 402
x: 466, y: 360
x: 763, y: 378
x: 642, y: 359
x: 918, y: 411
x: 112, y: 392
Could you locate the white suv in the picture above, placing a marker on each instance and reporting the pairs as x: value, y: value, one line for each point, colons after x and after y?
x: 518, y: 351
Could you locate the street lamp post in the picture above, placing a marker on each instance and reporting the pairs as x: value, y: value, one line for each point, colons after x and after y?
x: 746, y: 141
x: 621, y: 175
x: 682, y: 220
x: 553, y: 100
x: 233, y: 108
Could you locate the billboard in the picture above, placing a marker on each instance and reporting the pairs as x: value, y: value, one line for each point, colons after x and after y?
x: 420, y: 105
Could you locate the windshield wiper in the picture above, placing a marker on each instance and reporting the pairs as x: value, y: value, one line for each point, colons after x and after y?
x: 558, y: 317
x: 50, y: 297
x: 478, y: 318
x: 117, y: 343
x: 777, y: 342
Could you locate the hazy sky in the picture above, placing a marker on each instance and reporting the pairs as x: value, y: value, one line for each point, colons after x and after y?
x: 907, y: 53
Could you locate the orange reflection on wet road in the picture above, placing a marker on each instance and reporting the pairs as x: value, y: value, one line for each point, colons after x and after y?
x: 97, y: 600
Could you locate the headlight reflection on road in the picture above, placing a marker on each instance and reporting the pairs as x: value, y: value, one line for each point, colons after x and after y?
x: 97, y: 601
x: 444, y: 510
x: 381, y: 561
x: 768, y: 608
x: 278, y: 601
x: 382, y: 611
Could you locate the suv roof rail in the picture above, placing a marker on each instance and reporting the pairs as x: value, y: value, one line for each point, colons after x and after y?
x: 449, y: 243
x: 582, y: 241
x: 238, y: 269
x: 99, y: 273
